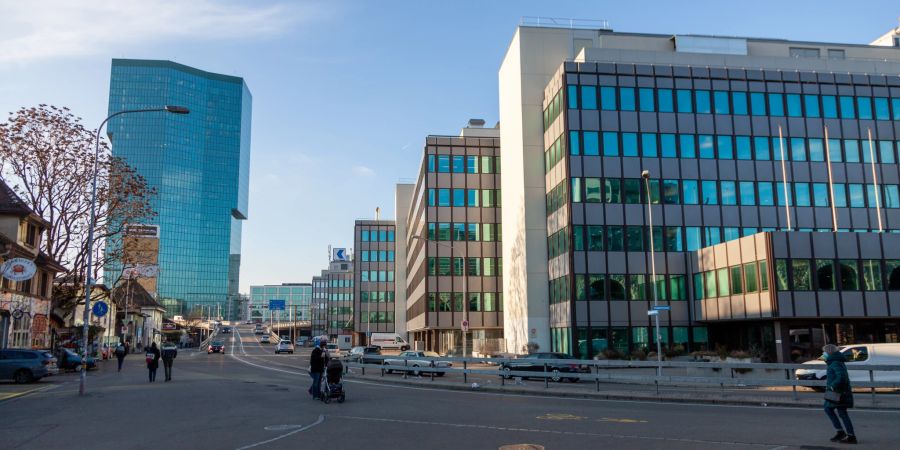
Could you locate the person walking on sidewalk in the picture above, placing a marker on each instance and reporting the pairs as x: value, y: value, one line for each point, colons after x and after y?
x: 316, y: 368
x: 152, y: 361
x: 169, y: 352
x: 838, y: 394
x: 120, y: 354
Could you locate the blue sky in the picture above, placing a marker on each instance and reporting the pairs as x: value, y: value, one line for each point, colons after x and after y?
x: 345, y: 91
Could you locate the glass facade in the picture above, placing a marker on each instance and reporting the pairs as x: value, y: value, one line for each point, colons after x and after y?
x: 199, y: 165
x: 297, y: 299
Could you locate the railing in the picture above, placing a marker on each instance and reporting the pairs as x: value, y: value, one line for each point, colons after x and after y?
x: 603, y: 371
x: 556, y: 22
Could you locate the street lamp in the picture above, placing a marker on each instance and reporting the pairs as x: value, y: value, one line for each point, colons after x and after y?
x: 93, y: 223
x: 646, y: 176
x: 465, y: 287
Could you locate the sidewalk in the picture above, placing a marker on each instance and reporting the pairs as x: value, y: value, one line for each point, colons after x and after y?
x: 616, y: 391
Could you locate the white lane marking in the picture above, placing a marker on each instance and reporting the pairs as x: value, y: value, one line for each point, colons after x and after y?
x: 544, y: 431
x: 596, y: 400
x: 268, y: 441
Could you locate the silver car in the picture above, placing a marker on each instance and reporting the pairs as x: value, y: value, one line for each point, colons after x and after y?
x: 415, y: 361
x: 284, y: 346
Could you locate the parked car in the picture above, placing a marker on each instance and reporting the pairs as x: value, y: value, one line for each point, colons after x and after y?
x: 301, y: 341
x: 25, y: 366
x: 415, y: 360
x: 536, y: 362
x: 285, y: 346
x: 389, y: 340
x: 333, y: 350
x: 216, y: 347
x: 360, y: 354
x: 264, y: 339
x: 68, y: 360
x: 858, y: 357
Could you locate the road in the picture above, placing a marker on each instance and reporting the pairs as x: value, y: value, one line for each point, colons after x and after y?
x: 252, y: 398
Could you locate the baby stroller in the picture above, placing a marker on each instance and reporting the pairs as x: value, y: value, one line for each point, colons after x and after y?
x: 333, y: 387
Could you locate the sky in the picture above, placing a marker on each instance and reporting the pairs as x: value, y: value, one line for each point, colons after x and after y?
x: 344, y: 92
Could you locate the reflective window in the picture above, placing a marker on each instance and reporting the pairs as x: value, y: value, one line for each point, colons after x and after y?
x: 665, y: 100
x: 825, y: 275
x: 864, y: 107
x: 761, y: 145
x: 739, y: 102
x: 632, y: 188
x: 626, y: 99
x: 574, y: 143
x: 882, y: 111
x: 610, y: 143
x: 829, y: 107
x: 776, y: 104
x: 443, y: 163
x: 693, y: 239
x: 857, y: 199
x: 459, y: 164
x: 886, y: 152
x: 742, y: 144
x: 691, y: 192
x: 613, y: 190
x: 801, y: 191
x: 782, y: 191
x: 729, y: 196
x: 705, y: 144
x: 712, y: 236
x: 671, y: 194
x: 668, y: 146
x: 750, y: 278
x: 576, y: 190
x: 798, y: 149
x: 608, y: 98
x: 702, y: 98
x: 615, y: 239
x: 851, y: 150
x: 726, y: 151
x: 572, y: 96
x: 840, y: 195
x: 871, y: 269
x: 793, y: 105
x: 646, y: 99
x: 748, y: 193
x: 591, y: 143
x: 629, y: 144
x: 710, y: 192
x: 816, y: 149
x: 592, y: 190
x: 588, y: 97
x: 847, y: 108
x: 684, y: 101
x: 648, y: 145
x: 801, y: 273
x: 849, y: 275
x: 720, y: 99
x: 811, y: 102
x: 820, y: 194
x: 688, y: 149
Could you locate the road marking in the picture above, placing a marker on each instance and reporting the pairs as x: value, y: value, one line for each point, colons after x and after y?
x: 609, y: 419
x: 15, y: 395
x: 268, y: 441
x: 560, y: 417
x: 544, y: 431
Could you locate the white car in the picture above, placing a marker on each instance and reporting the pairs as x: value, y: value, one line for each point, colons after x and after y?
x: 264, y: 339
x: 416, y: 360
x: 284, y: 346
x: 858, y: 357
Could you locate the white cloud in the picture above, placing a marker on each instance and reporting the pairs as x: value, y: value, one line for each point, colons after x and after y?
x: 363, y: 171
x: 34, y: 31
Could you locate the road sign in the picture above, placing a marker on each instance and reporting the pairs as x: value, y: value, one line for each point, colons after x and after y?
x: 100, y: 309
x: 464, y: 325
x: 340, y: 254
x: 662, y: 308
x: 276, y: 305
x: 653, y: 312
x: 19, y: 269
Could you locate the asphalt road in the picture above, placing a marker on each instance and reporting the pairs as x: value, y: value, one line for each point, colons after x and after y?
x: 252, y: 398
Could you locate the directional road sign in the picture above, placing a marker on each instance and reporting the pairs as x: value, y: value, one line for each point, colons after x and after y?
x: 276, y: 305
x: 662, y: 308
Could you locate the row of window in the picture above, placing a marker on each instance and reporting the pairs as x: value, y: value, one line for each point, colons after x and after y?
x: 726, y: 102
x: 378, y: 317
x: 618, y: 287
x: 713, y: 192
x: 376, y: 255
x: 747, y: 278
x: 472, y: 198
x: 377, y: 236
x: 708, y: 146
x: 342, y: 283
x: 376, y: 296
x: 445, y: 231
x: 463, y: 164
x: 453, y: 301
x: 340, y: 297
x: 837, y: 275
x: 592, y: 341
x: 475, y: 267
x: 376, y: 275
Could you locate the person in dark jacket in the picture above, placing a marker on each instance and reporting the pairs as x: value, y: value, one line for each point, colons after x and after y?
x: 316, y: 368
x: 153, y: 356
x: 837, y: 380
x: 169, y: 353
x: 120, y: 354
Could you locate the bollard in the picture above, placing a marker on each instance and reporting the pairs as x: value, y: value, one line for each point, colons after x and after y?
x: 405, y: 371
x: 872, y: 379
x: 787, y: 376
x: 465, y: 372
x: 432, y: 372
x: 546, y: 379
x: 598, y: 378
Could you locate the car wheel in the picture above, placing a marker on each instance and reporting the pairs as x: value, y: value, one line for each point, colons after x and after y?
x: 415, y: 370
x: 326, y: 398
x: 505, y: 373
x: 23, y: 376
x: 555, y: 376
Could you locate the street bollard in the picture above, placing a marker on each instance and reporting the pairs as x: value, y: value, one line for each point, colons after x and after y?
x: 546, y: 379
x: 872, y: 379
x: 405, y: 371
x: 598, y: 378
x: 787, y: 376
x: 465, y: 372
x: 432, y: 371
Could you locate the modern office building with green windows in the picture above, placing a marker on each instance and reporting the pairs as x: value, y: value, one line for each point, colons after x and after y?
x: 297, y: 299
x: 198, y: 164
x: 773, y: 186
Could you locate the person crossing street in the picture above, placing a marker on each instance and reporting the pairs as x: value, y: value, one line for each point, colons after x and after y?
x: 169, y: 353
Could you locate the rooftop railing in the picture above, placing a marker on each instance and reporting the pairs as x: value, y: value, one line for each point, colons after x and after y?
x: 556, y: 22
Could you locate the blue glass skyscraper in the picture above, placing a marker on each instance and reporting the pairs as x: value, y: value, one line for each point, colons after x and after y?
x: 198, y: 163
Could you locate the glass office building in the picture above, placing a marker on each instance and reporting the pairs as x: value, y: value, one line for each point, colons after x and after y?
x: 199, y: 165
x: 773, y: 189
x: 296, y: 296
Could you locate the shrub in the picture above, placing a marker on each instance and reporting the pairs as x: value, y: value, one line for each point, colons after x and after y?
x: 739, y: 354
x: 722, y: 351
x: 639, y: 355
x: 609, y: 353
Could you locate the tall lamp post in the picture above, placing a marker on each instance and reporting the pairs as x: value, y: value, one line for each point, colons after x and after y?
x: 93, y: 223
x: 465, y: 304
x: 646, y: 176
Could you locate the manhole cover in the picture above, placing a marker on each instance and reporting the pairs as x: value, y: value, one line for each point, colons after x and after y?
x: 522, y: 447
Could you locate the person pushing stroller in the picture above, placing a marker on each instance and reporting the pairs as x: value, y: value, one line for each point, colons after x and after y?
x: 333, y: 387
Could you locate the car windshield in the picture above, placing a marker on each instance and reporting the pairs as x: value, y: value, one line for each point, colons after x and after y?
x: 286, y: 342
x: 217, y: 343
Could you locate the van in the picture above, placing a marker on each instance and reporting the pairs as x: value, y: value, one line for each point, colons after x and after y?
x: 389, y: 340
x: 858, y: 357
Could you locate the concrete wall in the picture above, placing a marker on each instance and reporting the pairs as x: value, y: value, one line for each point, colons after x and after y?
x: 402, y: 203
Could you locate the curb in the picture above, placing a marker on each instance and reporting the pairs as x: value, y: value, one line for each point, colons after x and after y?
x: 800, y: 404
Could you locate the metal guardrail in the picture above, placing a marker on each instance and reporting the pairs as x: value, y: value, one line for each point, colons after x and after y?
x: 593, y: 370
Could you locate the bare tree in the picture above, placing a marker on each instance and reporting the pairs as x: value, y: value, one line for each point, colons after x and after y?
x: 47, y: 157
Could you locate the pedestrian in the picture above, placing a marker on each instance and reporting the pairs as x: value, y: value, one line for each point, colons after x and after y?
x: 316, y: 368
x: 838, y: 394
x: 169, y: 353
x: 120, y: 354
x: 152, y: 361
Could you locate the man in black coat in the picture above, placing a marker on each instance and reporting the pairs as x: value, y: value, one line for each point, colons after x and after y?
x: 316, y: 368
x: 169, y: 353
